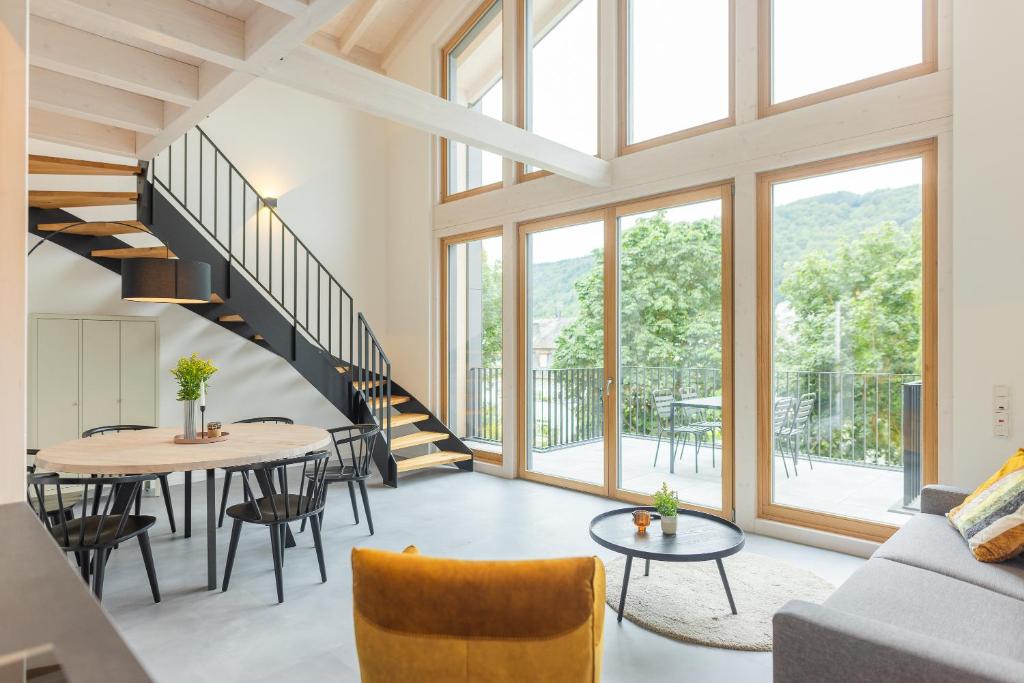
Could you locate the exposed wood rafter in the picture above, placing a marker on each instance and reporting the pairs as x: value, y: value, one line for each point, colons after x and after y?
x: 63, y: 94
x: 321, y: 74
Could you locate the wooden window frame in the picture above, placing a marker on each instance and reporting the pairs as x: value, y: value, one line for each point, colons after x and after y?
x: 609, y: 215
x: 485, y: 455
x: 626, y: 147
x: 927, y: 151
x: 765, y: 55
x: 446, y: 50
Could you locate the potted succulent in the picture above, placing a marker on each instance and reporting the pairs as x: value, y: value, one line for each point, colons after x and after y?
x: 667, y: 504
x: 192, y: 373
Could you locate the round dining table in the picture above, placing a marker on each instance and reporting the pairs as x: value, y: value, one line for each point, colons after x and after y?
x: 153, y: 451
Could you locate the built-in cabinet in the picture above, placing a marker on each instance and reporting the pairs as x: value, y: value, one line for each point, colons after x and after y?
x: 88, y: 371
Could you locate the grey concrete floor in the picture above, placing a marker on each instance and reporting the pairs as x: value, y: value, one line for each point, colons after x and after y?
x: 243, y: 634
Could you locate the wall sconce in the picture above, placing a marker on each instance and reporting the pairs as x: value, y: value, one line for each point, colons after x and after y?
x: 271, y: 202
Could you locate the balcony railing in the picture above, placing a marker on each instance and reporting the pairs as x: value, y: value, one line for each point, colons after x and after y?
x: 856, y: 418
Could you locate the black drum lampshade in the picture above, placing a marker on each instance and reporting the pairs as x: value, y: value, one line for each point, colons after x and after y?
x: 165, y: 281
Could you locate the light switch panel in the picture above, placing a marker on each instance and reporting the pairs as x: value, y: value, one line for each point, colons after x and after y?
x: 1001, y: 410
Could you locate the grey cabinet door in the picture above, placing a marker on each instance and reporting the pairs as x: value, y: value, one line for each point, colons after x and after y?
x: 101, y: 373
x: 138, y: 372
x: 56, y: 410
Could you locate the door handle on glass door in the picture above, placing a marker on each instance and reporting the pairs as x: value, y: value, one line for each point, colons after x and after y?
x: 608, y: 386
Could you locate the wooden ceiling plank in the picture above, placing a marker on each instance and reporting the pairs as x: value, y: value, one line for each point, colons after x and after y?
x: 66, y: 130
x: 85, y: 55
x: 77, y: 97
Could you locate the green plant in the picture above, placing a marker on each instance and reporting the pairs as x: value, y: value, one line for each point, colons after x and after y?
x: 666, y: 502
x: 191, y: 373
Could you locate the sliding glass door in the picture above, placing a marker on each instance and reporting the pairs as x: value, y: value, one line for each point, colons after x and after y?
x: 674, y: 343
x: 562, y: 314
x: 626, y: 340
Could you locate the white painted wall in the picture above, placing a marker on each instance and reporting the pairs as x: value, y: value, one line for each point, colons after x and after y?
x: 327, y: 165
x: 988, y: 241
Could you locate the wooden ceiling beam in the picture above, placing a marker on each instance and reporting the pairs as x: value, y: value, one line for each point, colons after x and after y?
x: 46, y: 125
x: 63, y: 94
x: 319, y: 73
x: 85, y: 55
x: 292, y: 8
x: 365, y: 14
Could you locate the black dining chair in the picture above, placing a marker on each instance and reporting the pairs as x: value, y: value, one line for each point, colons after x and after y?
x: 277, y: 510
x: 92, y: 536
x: 227, y: 473
x: 355, y: 441
x: 65, y: 511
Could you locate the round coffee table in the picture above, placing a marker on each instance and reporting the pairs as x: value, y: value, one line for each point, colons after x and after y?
x: 699, y: 537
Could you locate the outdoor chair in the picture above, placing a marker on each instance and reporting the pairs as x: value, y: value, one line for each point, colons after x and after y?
x: 796, y: 427
x: 780, y: 422
x: 687, y: 425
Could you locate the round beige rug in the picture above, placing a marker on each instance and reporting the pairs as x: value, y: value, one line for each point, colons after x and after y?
x: 686, y: 600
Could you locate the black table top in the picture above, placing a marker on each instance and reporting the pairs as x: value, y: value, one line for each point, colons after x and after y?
x: 699, y: 536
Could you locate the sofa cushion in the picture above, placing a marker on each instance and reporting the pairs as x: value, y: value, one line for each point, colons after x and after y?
x: 992, y: 518
x: 934, y: 605
x: 930, y: 542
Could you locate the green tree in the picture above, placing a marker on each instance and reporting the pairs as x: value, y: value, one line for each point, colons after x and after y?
x: 867, y: 295
x: 490, y: 300
x: 670, y: 303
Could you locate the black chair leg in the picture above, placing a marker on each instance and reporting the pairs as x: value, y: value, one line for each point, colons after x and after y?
x: 366, y: 505
x: 100, y: 560
x: 138, y: 502
x: 352, y: 495
x: 147, y: 559
x: 224, y: 498
x: 314, y: 522
x: 281, y: 532
x: 165, y: 491
x: 275, y: 546
x: 236, y: 531
x: 84, y: 565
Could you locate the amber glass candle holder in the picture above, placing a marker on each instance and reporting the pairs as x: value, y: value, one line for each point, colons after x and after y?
x: 642, y: 520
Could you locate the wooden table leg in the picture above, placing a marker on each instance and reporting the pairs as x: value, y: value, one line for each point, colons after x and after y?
x: 625, y: 585
x: 211, y: 531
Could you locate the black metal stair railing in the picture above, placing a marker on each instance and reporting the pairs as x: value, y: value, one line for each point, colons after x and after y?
x: 373, y: 377
x: 218, y: 198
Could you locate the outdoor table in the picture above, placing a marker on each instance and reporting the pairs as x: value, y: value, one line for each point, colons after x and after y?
x: 153, y: 451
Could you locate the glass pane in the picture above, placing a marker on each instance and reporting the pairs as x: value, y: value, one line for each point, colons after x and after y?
x: 474, y: 81
x: 846, y: 253
x: 561, y: 72
x: 678, y: 65
x: 565, y: 314
x: 819, y: 44
x: 670, y: 352
x: 474, y: 342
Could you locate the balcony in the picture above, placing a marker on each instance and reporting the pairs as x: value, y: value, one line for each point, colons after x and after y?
x: 854, y: 437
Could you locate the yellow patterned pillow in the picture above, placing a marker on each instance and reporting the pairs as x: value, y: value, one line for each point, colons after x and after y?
x: 992, y: 518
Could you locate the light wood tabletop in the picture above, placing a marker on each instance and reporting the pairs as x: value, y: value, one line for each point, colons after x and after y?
x: 153, y: 451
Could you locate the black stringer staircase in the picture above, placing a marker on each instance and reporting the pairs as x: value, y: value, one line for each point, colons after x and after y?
x: 268, y: 287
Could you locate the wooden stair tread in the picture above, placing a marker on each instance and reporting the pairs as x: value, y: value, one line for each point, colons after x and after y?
x: 215, y: 298
x: 258, y: 337
x: 366, y: 384
x: 342, y: 369
x: 133, y: 252
x: 408, y: 418
x: 431, y: 459
x: 417, y: 439
x: 395, y: 400
x: 230, y: 318
x: 54, y: 199
x: 44, y: 165
x: 96, y: 229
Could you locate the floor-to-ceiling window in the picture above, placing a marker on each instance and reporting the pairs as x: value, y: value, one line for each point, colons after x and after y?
x: 626, y: 349
x: 471, y: 330
x: 471, y: 76
x: 846, y: 304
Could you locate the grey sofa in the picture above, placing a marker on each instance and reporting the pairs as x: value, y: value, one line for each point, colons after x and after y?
x: 922, y: 609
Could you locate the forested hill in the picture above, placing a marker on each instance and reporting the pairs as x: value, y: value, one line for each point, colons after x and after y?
x: 820, y: 223
x: 553, y: 294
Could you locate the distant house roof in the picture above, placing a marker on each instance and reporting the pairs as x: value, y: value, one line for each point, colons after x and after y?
x: 546, y: 331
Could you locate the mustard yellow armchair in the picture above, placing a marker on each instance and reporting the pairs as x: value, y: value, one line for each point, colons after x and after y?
x: 430, y: 619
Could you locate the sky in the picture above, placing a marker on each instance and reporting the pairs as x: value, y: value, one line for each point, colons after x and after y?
x: 858, y: 181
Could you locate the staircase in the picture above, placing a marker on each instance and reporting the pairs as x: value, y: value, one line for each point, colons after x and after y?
x: 268, y: 286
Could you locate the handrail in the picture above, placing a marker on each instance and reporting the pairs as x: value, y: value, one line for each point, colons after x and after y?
x: 318, y: 304
x: 374, y: 377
